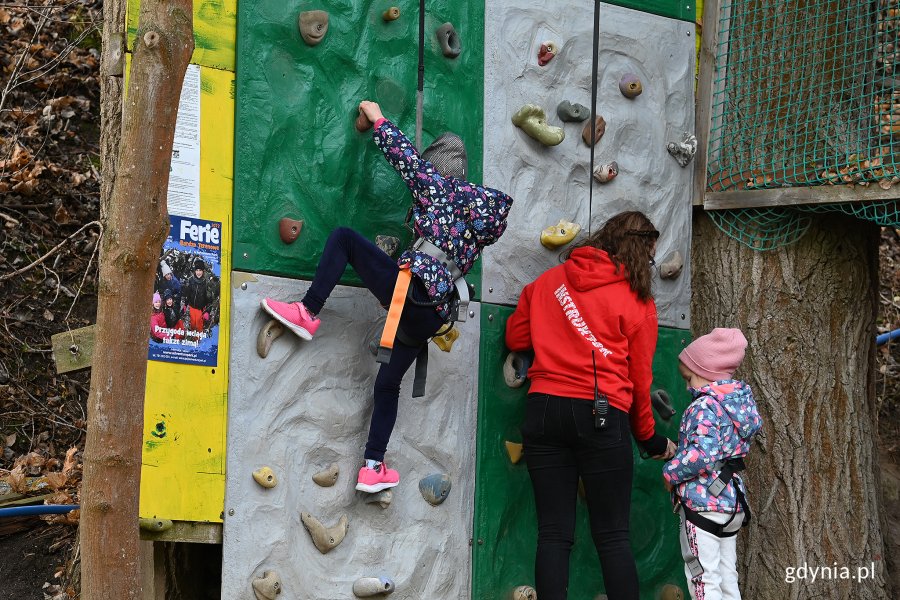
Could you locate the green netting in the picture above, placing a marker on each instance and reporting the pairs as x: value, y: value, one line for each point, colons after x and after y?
x: 804, y: 93
x: 770, y: 228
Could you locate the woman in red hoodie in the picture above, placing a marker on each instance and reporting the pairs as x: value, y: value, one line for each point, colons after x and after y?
x: 592, y: 325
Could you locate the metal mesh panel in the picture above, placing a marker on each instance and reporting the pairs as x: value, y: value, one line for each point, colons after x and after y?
x: 803, y: 94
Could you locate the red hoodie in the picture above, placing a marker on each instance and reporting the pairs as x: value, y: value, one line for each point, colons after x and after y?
x: 582, y: 305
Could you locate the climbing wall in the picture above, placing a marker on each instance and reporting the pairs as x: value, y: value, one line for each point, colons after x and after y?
x: 550, y: 183
x: 305, y: 407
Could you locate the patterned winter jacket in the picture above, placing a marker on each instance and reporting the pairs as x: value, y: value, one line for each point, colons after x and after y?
x: 459, y: 217
x: 717, y: 425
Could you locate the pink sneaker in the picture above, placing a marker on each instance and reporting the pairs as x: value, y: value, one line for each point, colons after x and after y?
x: 377, y: 479
x: 294, y: 316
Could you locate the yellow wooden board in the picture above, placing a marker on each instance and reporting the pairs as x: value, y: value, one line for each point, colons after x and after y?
x: 215, y: 28
x: 185, y: 410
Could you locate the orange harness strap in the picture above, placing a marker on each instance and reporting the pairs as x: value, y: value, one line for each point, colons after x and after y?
x: 404, y: 276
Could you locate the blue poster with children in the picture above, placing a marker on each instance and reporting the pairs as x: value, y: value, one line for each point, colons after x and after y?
x: 184, y: 324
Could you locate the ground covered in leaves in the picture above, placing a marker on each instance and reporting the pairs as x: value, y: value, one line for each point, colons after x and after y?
x: 49, y: 232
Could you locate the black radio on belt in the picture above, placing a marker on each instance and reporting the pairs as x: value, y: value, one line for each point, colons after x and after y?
x: 601, y: 402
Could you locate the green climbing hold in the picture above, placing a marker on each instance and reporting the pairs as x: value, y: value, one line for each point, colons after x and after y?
x: 532, y: 119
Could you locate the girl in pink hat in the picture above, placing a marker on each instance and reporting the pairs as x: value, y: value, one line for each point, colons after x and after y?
x: 713, y: 439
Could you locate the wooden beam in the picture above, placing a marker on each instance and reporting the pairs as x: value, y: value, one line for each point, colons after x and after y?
x: 709, y: 40
x: 73, y: 350
x: 187, y: 531
x: 822, y: 194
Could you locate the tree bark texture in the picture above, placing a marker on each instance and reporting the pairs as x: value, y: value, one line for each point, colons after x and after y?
x: 135, y: 225
x: 808, y: 312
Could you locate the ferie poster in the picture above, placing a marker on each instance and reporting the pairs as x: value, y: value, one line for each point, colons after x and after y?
x: 184, y: 323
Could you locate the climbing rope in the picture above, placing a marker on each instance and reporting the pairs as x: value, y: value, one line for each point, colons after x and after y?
x: 594, y: 61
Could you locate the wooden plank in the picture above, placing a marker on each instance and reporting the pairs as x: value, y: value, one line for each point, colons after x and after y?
x: 709, y: 39
x: 73, y: 350
x: 187, y: 531
x: 823, y: 194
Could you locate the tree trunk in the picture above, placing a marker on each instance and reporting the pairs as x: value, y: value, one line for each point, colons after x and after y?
x: 135, y: 226
x: 808, y: 312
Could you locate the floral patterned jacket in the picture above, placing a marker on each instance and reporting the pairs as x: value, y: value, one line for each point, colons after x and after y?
x: 717, y: 425
x: 459, y: 217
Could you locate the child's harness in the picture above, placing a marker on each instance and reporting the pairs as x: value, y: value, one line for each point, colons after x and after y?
x: 458, y: 301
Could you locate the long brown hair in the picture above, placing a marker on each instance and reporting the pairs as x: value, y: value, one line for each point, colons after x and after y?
x: 627, y: 238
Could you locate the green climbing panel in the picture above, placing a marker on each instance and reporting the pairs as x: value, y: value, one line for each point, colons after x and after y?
x: 684, y: 11
x: 297, y: 153
x: 505, y: 530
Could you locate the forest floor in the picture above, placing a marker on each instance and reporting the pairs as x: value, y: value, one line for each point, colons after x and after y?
x: 50, y: 206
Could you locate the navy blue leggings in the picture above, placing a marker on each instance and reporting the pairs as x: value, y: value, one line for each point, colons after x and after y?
x: 378, y: 272
x: 562, y: 445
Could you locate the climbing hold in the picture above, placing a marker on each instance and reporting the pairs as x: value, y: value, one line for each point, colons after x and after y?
x: 684, y: 150
x: 532, y: 120
x: 391, y: 14
x: 382, y: 498
x: 313, y: 26
x: 362, y: 123
x: 524, y: 592
x: 325, y: 538
x: 630, y: 85
x: 598, y: 130
x: 663, y: 404
x: 515, y: 369
x: 289, y: 229
x: 270, y: 332
x: 365, y: 587
x: 445, y: 340
x: 265, y: 477
x: 601, y: 597
x: 449, y: 40
x: 671, y: 592
x: 267, y: 587
x: 558, y: 235
x: 155, y: 525
x: 328, y: 477
x: 514, y: 450
x: 546, y: 53
x: 435, y: 488
x: 671, y: 267
x: 388, y: 244
x: 606, y: 172
x: 572, y: 113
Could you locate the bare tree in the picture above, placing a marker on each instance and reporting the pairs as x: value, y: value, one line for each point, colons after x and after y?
x: 136, y: 175
x: 808, y: 311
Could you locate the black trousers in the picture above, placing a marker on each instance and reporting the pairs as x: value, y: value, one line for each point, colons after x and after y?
x: 561, y: 445
x: 378, y: 272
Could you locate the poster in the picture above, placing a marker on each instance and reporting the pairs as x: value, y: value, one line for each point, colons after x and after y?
x: 184, y: 323
x: 184, y: 173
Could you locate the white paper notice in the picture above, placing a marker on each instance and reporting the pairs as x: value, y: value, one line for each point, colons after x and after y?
x: 184, y: 174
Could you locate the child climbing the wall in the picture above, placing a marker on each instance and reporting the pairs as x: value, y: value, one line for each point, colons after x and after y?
x: 713, y: 439
x: 453, y: 221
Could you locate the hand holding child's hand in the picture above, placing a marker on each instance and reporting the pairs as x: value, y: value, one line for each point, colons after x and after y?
x: 371, y: 110
x: 669, y: 453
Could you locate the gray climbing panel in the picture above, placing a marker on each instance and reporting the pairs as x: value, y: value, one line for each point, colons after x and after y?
x: 549, y: 183
x: 306, y: 406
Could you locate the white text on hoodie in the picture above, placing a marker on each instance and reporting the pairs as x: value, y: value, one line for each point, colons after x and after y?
x: 568, y: 305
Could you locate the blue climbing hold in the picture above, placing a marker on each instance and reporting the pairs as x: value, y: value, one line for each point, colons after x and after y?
x: 435, y: 488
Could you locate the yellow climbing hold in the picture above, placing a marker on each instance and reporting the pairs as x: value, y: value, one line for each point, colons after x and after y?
x: 265, y: 477
x: 514, y: 450
x: 445, y: 341
x: 556, y: 236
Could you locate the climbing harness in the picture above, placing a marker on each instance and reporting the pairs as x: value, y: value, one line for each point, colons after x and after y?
x: 458, y: 301
x: 726, y: 469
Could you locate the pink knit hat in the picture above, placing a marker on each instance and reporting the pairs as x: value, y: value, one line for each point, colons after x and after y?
x: 716, y: 355
x: 156, y: 298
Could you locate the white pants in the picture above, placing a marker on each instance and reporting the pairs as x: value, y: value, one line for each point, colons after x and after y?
x: 718, y: 557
